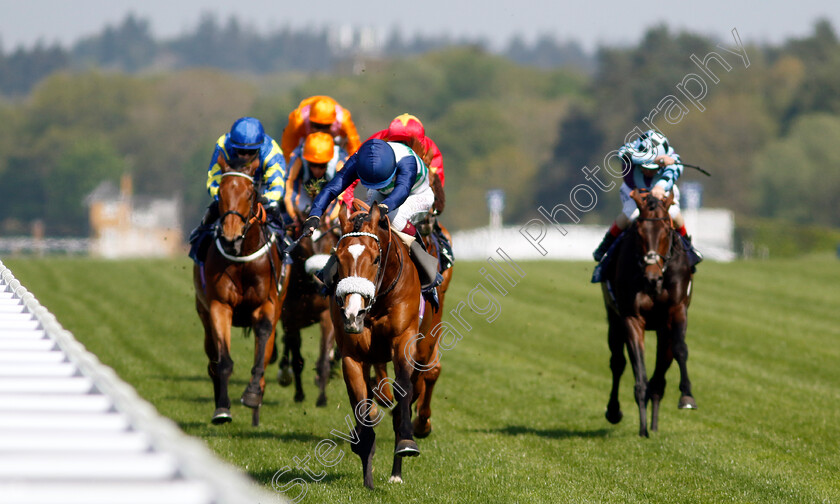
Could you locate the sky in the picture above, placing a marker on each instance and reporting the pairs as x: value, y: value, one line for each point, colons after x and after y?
x: 591, y: 23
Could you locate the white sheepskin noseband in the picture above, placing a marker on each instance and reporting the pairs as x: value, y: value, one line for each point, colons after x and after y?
x: 355, y: 285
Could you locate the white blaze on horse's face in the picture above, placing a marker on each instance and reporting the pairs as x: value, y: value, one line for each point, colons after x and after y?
x: 356, y: 250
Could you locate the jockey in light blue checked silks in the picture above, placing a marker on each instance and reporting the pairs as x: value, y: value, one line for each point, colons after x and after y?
x: 655, y: 166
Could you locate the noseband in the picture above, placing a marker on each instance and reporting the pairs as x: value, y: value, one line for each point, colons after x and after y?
x: 348, y: 288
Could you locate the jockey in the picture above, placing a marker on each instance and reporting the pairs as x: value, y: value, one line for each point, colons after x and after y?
x: 398, y: 181
x: 320, y: 113
x: 654, y: 166
x: 313, y: 165
x: 245, y: 143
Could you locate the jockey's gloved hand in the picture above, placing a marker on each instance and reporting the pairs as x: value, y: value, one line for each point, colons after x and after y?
x: 383, y: 211
x: 310, y: 225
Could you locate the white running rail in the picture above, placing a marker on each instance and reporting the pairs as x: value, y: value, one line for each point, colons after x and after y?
x: 72, y: 432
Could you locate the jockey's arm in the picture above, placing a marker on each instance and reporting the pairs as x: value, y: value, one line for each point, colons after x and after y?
x: 214, y: 171
x: 349, y: 130
x: 334, y: 187
x: 294, y: 172
x: 403, y: 181
x: 291, y: 134
x: 668, y: 175
x: 275, y: 174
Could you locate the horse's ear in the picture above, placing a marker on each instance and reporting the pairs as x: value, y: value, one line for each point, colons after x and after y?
x: 221, y: 161
x: 637, y: 197
x: 669, y: 199
x: 344, y: 217
x: 374, y: 213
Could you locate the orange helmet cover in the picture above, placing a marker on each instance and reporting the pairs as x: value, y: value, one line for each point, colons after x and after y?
x: 318, y: 148
x: 322, y: 112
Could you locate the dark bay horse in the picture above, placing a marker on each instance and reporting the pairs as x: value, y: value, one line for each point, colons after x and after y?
x: 647, y: 286
x: 375, y: 311
x: 305, y: 306
x: 240, y: 284
x: 427, y: 354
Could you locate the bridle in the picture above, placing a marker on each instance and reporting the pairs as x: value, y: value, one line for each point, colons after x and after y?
x: 256, y: 216
x: 652, y: 257
x: 380, y: 267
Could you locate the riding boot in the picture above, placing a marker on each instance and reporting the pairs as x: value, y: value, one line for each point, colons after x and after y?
x: 198, y: 243
x: 447, y: 258
x: 427, y: 269
x: 602, y: 249
x: 694, y: 255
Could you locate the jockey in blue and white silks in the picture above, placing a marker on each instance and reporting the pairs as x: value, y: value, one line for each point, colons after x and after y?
x: 395, y: 176
x: 398, y: 182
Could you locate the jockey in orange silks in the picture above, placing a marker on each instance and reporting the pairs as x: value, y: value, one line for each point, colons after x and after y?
x: 320, y: 114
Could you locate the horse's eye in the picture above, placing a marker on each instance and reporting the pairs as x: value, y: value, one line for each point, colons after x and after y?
x: 376, y: 261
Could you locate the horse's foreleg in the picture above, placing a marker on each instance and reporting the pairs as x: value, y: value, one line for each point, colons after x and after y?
x: 293, y: 341
x: 680, y: 351
x: 363, y: 443
x: 423, y: 423
x: 636, y: 349
x: 220, y: 366
x: 263, y: 346
x: 327, y: 341
x: 656, y: 385
x: 404, y: 444
x: 616, y: 340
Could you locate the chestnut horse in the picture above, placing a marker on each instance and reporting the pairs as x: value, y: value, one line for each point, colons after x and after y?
x: 428, y: 355
x: 647, y: 286
x: 240, y: 284
x: 375, y: 311
x: 305, y: 306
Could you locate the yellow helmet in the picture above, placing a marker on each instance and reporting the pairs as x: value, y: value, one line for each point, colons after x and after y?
x: 322, y: 111
x: 318, y: 148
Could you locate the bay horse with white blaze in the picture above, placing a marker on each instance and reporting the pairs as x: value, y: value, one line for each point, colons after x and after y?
x: 647, y: 286
x: 375, y: 311
x: 240, y: 284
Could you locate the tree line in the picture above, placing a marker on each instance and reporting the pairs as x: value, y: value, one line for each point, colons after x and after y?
x: 767, y: 132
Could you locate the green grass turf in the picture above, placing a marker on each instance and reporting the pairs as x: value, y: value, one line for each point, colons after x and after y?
x: 519, y: 409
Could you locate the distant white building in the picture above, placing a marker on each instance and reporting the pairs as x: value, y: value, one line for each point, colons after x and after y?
x: 123, y: 225
x: 712, y: 231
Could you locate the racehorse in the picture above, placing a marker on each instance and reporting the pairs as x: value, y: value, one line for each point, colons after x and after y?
x: 305, y: 306
x: 428, y: 347
x: 375, y: 310
x: 242, y: 283
x: 647, y: 286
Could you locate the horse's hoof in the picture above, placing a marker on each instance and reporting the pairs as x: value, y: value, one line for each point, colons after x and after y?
x: 687, y: 402
x: 422, y: 431
x: 221, y: 416
x: 251, y: 400
x: 285, y: 377
x: 321, y: 402
x: 299, y: 397
x: 395, y: 479
x: 614, y: 417
x: 407, y: 448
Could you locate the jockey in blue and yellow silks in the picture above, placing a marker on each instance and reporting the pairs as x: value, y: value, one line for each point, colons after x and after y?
x: 245, y: 142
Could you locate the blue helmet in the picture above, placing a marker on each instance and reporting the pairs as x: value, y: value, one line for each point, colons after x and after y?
x: 376, y: 164
x: 247, y: 133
